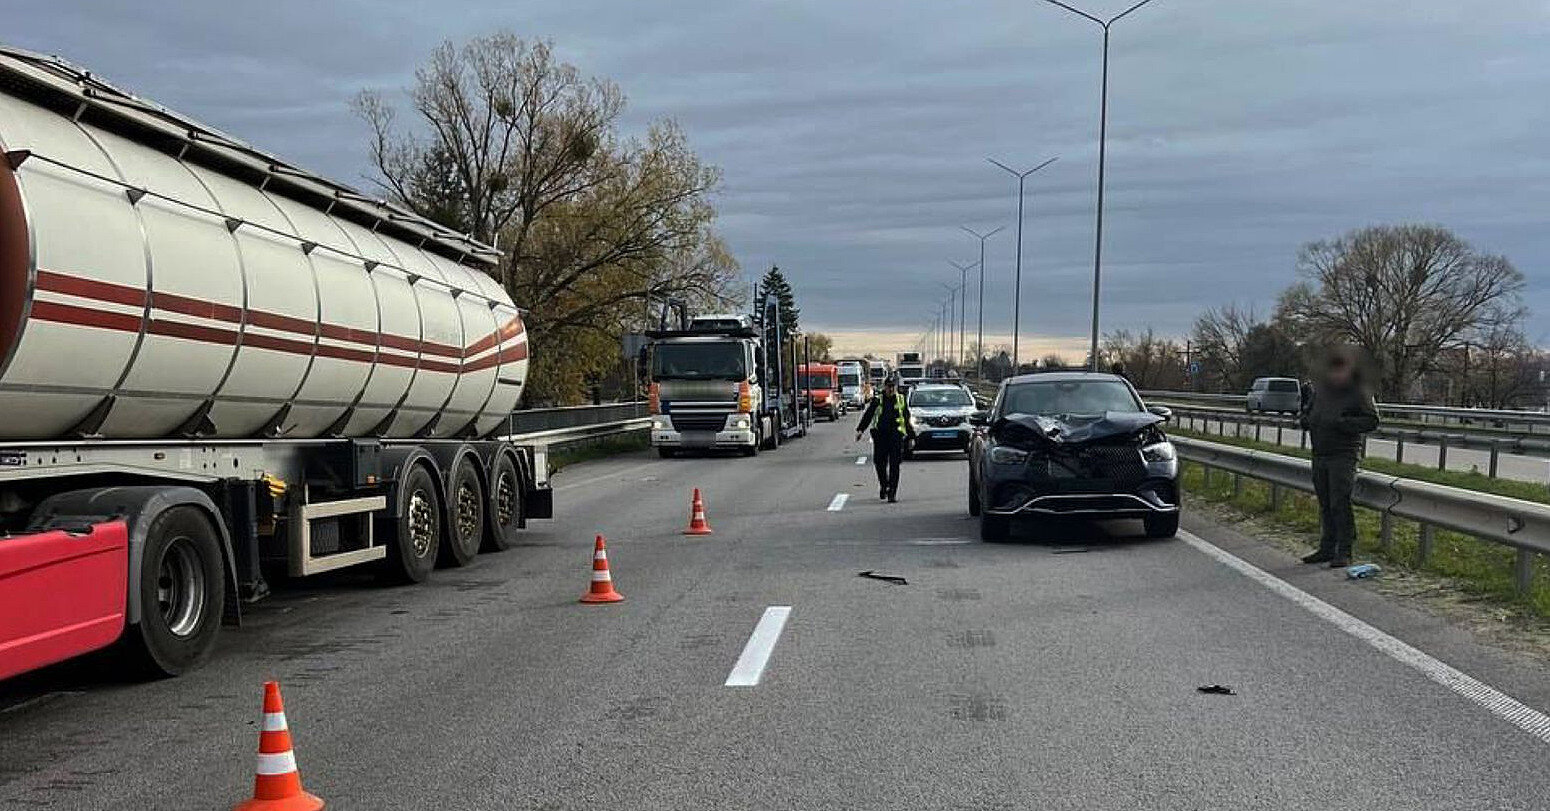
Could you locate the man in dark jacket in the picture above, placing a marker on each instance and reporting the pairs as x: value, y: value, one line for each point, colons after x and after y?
x: 887, y: 415
x: 1337, y: 417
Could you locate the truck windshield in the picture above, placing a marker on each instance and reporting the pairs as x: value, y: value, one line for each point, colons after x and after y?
x: 816, y: 380
x: 698, y: 361
x: 850, y: 380
x: 1069, y: 397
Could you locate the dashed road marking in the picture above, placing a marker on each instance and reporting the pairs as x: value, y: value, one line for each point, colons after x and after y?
x: 860, y: 460
x: 838, y: 502
x: 756, y: 654
x: 1494, y: 701
x: 938, y: 541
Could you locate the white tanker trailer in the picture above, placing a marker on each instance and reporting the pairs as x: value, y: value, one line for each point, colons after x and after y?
x: 213, y: 363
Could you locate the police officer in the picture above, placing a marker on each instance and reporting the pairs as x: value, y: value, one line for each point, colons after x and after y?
x: 1337, y: 414
x: 887, y: 415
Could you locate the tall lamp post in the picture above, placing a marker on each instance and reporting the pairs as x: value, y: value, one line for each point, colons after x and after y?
x: 1017, y: 286
x: 947, y: 320
x: 1103, y: 137
x: 963, y: 307
x: 979, y: 343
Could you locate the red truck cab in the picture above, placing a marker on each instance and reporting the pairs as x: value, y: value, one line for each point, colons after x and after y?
x: 822, y: 381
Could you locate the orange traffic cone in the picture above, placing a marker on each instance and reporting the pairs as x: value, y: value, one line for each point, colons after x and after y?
x: 602, y: 588
x: 697, y: 522
x: 277, y: 784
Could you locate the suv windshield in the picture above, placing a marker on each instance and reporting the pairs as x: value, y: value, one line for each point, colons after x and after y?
x: 1068, y: 397
x: 698, y: 361
x: 940, y: 398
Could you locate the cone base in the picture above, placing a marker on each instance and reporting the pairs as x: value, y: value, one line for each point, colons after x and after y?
x: 300, y: 802
x: 606, y: 597
x: 699, y: 531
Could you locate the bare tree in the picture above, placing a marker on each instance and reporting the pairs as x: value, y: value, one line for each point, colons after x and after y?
x: 1220, y: 336
x: 1404, y: 294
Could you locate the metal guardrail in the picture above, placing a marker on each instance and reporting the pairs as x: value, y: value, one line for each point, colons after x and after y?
x: 552, y: 437
x: 1423, y: 413
x: 1457, y: 437
x: 1522, y: 525
x: 529, y: 420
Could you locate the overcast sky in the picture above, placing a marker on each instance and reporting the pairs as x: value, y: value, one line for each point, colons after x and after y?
x: 853, y: 135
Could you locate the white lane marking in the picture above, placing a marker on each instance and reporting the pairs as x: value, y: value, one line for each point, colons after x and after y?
x: 838, y: 502
x: 938, y: 541
x: 1494, y: 701
x: 756, y: 654
x: 860, y: 460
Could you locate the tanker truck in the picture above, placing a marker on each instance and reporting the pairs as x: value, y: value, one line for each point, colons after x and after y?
x: 215, y: 365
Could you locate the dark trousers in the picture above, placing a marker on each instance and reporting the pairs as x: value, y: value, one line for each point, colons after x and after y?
x: 887, y: 454
x: 1334, y: 478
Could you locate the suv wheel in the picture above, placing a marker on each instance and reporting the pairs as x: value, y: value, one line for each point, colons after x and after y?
x: 1162, y: 525
x: 995, y: 527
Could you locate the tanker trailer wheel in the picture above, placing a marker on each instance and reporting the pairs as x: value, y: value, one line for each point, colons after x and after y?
x: 182, y: 593
x: 413, y: 537
x: 505, y: 509
x: 465, y: 495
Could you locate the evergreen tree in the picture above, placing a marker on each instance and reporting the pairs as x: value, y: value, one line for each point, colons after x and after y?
x: 775, y: 285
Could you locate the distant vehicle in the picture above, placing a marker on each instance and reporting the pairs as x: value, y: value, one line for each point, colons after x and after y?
x: 1282, y: 394
x: 940, y: 415
x: 855, y: 381
x: 879, y: 372
x: 1072, y: 444
x: 910, y: 365
x: 821, y: 382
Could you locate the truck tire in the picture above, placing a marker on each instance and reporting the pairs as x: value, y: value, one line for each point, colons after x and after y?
x: 505, y: 506
x: 466, y: 503
x: 413, y: 535
x: 1162, y: 525
x: 182, y: 592
x: 772, y: 434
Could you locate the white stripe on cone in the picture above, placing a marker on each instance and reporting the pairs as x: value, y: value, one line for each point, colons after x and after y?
x: 276, y: 763
x: 601, y: 577
x: 274, y: 721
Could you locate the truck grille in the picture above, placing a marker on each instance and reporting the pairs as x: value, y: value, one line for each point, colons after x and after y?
x: 699, y: 422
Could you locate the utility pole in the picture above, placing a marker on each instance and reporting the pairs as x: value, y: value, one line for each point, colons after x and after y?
x: 963, y: 306
x: 979, y: 343
x: 1017, y: 287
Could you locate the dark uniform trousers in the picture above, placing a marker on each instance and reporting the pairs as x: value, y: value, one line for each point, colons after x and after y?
x: 887, y: 455
x: 1334, y: 478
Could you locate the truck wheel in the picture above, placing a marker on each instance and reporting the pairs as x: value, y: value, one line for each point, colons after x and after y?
x: 505, y: 507
x: 182, y: 593
x: 1162, y: 525
x: 771, y: 435
x: 414, y: 536
x: 995, y: 527
x: 466, y: 496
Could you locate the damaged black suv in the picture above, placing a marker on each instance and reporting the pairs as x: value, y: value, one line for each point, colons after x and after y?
x: 1075, y: 444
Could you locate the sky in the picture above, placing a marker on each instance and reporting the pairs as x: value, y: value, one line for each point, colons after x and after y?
x: 853, y: 136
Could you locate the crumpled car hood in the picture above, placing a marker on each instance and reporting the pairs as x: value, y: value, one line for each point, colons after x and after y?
x: 1020, y: 429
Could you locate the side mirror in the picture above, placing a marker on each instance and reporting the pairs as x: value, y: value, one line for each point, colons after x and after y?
x: 1162, y: 411
x: 981, y: 402
x: 979, y: 419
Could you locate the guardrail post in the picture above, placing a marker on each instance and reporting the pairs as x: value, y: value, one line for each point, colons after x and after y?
x: 1237, y: 485
x: 1237, y: 429
x: 1275, y: 498
x: 1496, y: 453
x: 1278, y: 433
x: 1385, y: 531
x: 1523, y: 572
x: 1423, y: 547
x: 1255, y: 423
x: 1205, y: 475
x: 1399, y: 447
x: 1442, y: 452
x: 1302, y: 438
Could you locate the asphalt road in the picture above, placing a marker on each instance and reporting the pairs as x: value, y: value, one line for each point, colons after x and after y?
x: 1058, y: 671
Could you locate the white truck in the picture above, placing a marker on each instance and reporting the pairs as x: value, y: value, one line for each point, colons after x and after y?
x: 215, y: 365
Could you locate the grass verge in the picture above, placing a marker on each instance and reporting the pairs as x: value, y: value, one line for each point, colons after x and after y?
x: 1474, y: 570
x: 611, y: 446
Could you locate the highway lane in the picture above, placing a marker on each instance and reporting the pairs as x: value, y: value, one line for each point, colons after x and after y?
x: 1057, y: 671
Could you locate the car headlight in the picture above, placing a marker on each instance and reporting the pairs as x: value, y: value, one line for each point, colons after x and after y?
x: 1159, y: 452
x: 1002, y: 455
x: 660, y: 424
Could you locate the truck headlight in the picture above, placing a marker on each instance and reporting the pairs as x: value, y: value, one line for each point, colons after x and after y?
x: 740, y: 424
x: 1002, y: 455
x: 1159, y: 452
x: 661, y: 424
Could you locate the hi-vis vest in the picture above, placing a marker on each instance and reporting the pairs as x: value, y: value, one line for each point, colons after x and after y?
x: 898, y: 410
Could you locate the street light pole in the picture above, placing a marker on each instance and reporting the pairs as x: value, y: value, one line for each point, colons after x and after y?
x: 1017, y: 287
x: 963, y: 306
x: 947, y: 321
x: 1103, y: 141
x: 979, y: 343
